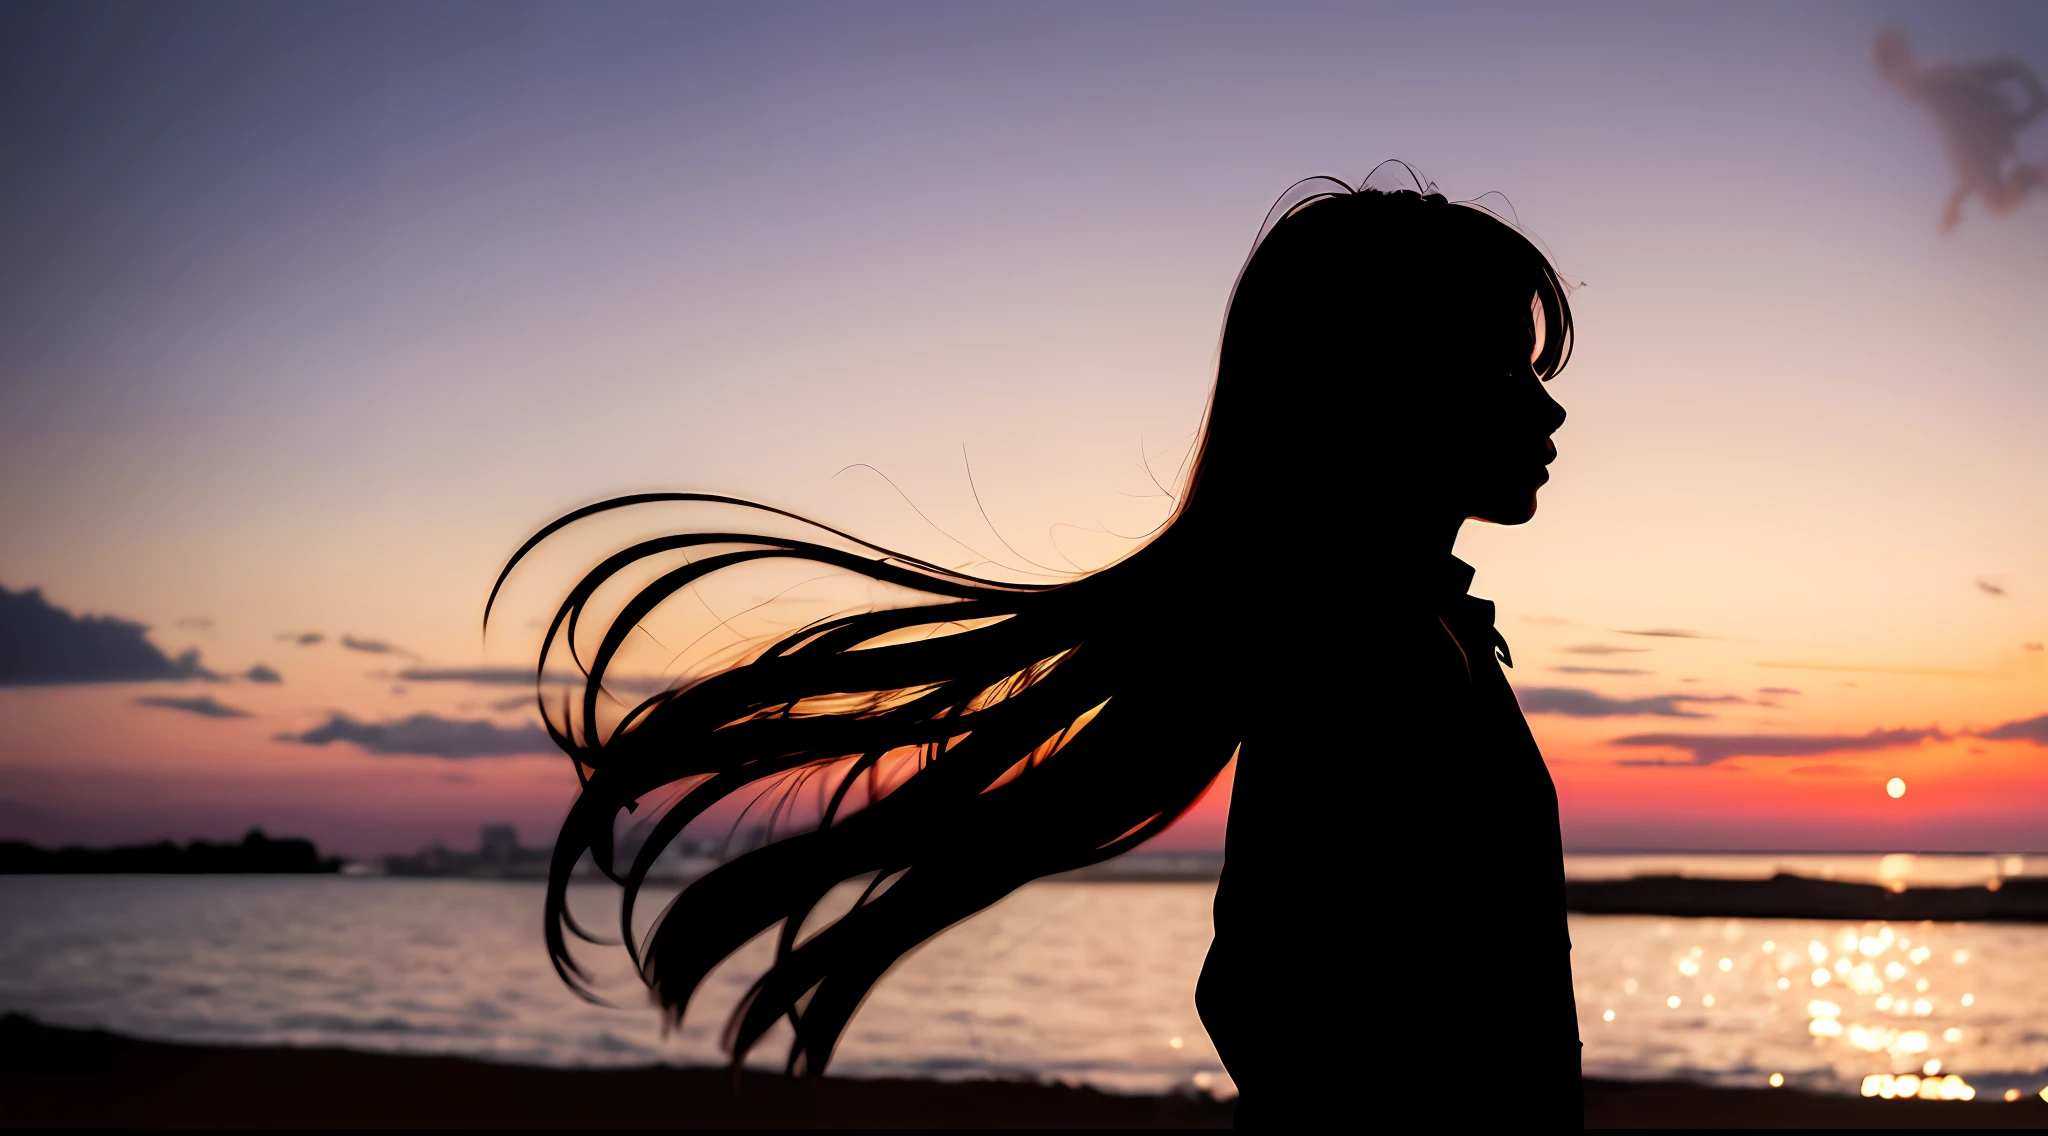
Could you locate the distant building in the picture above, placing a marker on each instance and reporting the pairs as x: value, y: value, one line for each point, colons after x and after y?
x: 499, y: 844
x: 498, y: 855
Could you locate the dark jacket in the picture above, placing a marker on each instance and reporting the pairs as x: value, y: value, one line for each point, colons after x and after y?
x: 1391, y: 916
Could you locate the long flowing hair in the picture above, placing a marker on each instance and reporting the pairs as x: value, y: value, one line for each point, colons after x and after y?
x: 973, y: 734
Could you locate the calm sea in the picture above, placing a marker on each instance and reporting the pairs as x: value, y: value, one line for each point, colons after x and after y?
x: 1077, y: 982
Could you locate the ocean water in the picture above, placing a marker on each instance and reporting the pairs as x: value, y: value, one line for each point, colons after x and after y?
x: 1086, y: 983
x: 1075, y: 982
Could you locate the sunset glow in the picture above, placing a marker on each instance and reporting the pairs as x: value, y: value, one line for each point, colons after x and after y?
x: 291, y: 372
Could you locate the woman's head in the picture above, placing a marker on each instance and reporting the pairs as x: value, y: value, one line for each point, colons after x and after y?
x: 1397, y: 338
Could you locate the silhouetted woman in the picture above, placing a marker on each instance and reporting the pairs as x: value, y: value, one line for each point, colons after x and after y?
x: 1391, y: 915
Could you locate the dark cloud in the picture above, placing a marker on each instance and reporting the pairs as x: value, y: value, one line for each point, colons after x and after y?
x: 429, y: 735
x: 2032, y: 730
x: 1665, y: 633
x: 1602, y: 649
x: 42, y: 644
x: 481, y: 676
x: 261, y: 673
x: 1573, y: 702
x: 523, y: 676
x: 1989, y: 588
x: 1602, y: 671
x: 370, y: 646
x: 1775, y: 690
x: 1707, y: 749
x: 204, y: 706
x: 302, y: 638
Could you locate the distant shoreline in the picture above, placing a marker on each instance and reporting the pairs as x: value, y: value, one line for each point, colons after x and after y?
x: 2021, y: 899
x: 257, y: 854
x: 1823, y: 852
x: 52, y: 1077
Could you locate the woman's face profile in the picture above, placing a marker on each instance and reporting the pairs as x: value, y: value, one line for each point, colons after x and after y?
x: 1499, y: 417
x: 1514, y: 452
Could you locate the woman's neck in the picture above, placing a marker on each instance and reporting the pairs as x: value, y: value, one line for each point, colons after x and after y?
x: 1423, y: 537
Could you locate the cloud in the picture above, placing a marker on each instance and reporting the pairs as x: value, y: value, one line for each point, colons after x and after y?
x: 1775, y: 690
x: 370, y: 646
x: 1707, y: 749
x: 1843, y: 668
x: 523, y: 676
x: 2032, y: 730
x: 302, y: 638
x: 1829, y: 771
x: 2031, y: 646
x: 1602, y: 670
x: 261, y: 673
x: 204, y: 706
x: 41, y: 644
x: 1602, y: 649
x: 516, y: 702
x: 429, y: 735
x: 481, y: 676
x: 1573, y: 702
x: 1666, y: 633
x: 1989, y: 588
x: 196, y: 623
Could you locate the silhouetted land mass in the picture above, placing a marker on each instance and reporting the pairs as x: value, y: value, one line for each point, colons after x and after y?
x: 256, y: 854
x: 500, y: 856
x: 1783, y: 896
x: 66, y: 1078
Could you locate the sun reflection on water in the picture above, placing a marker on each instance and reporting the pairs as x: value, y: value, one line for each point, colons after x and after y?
x: 1892, y: 999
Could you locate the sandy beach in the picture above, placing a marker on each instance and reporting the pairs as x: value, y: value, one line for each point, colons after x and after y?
x: 64, y: 1078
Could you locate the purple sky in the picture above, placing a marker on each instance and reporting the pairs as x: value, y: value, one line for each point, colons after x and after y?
x: 309, y: 313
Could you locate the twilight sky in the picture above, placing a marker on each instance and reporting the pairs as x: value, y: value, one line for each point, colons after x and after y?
x: 310, y: 313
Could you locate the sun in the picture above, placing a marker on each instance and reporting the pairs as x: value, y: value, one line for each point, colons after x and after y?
x: 1896, y: 787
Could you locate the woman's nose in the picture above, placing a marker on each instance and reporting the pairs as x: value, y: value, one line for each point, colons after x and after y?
x: 1551, y: 411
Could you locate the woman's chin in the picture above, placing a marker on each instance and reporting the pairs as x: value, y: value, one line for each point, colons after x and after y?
x: 1519, y: 512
